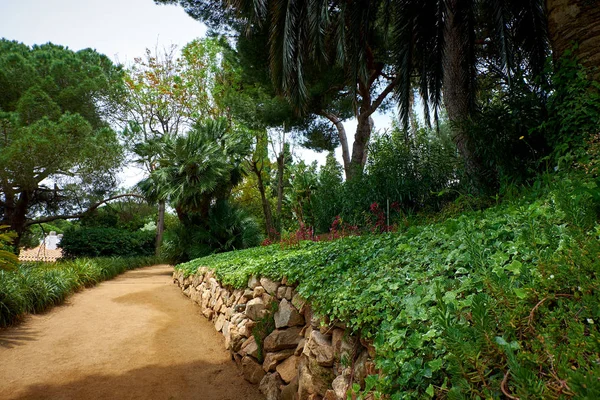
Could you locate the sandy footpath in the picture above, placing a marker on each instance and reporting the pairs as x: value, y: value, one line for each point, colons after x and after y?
x: 134, y: 337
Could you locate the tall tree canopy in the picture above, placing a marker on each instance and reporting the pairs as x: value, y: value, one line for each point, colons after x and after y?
x: 389, y: 47
x: 57, y: 152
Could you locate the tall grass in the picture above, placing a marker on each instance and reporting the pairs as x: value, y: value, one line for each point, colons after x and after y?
x: 35, y: 287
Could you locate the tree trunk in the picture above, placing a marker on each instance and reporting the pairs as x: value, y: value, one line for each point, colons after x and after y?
x: 265, y: 202
x: 17, y: 217
x: 343, y: 141
x: 280, y: 172
x: 359, y: 148
x: 576, y: 21
x: 458, y: 84
x: 160, y: 227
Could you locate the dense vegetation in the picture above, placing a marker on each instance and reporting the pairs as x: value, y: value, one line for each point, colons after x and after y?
x: 34, y: 288
x: 469, y: 288
x: 457, y: 307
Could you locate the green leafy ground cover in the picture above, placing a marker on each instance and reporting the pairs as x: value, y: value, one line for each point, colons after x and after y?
x: 490, y: 304
x: 35, y: 287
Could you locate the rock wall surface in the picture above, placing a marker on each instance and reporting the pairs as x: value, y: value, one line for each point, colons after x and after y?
x: 277, y: 341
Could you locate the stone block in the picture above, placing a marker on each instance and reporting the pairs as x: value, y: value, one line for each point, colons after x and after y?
x: 253, y: 282
x: 249, y: 348
x: 281, y: 339
x: 269, y: 285
x: 270, y: 386
x: 252, y: 370
x: 318, y: 346
x: 288, y: 369
x: 272, y: 359
x: 287, y: 315
x: 255, y: 308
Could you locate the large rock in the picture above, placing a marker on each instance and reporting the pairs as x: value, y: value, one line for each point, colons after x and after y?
x: 340, y: 386
x: 272, y: 359
x: 290, y: 391
x: 318, y: 346
x: 281, y: 292
x: 289, y: 293
x: 234, y: 340
x: 360, y: 367
x: 220, y: 322
x: 252, y: 370
x: 246, y: 296
x: 270, y: 386
x: 336, y: 341
x: 258, y: 291
x: 253, y: 282
x: 255, y: 309
x: 269, y: 285
x: 313, y: 379
x: 208, y: 313
x: 287, y: 315
x: 298, y: 302
x: 281, y: 339
x: 288, y: 369
x: 300, y: 347
x: 235, y: 296
x: 249, y: 348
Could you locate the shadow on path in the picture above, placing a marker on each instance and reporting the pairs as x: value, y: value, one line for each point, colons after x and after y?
x: 197, y: 380
x: 17, y: 336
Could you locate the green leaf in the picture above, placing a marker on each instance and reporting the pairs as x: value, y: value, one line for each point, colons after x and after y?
x: 514, y: 267
x: 521, y: 293
x: 430, y: 390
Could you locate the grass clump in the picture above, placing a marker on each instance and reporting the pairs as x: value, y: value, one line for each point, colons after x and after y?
x: 35, y: 287
x: 491, y: 304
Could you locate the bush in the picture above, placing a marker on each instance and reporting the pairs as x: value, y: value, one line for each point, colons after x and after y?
x: 33, y: 288
x: 412, y: 173
x: 228, y: 227
x: 106, y: 242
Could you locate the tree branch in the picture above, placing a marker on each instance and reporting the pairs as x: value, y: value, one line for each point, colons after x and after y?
x: 380, y: 98
x: 81, y: 214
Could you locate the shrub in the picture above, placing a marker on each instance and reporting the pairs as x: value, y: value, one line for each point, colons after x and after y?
x: 228, y: 227
x: 106, y: 242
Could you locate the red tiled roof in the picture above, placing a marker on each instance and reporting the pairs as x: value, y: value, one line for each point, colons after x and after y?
x: 40, y: 253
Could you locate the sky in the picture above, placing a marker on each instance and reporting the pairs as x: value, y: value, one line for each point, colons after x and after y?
x: 120, y: 29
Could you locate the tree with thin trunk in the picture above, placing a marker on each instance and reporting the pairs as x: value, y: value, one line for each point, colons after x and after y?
x: 166, y: 94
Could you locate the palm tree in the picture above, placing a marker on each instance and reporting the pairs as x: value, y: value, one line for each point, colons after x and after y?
x: 197, y: 168
x: 438, y: 43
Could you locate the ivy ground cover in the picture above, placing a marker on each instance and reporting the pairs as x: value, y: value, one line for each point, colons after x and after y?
x: 500, y: 303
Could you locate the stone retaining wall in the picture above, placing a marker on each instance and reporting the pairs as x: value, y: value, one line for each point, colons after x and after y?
x: 299, y: 355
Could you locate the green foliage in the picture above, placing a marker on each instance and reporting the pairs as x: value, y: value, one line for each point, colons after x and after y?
x: 454, y: 307
x: 106, y: 242
x: 54, y: 105
x: 505, y: 136
x: 263, y: 328
x: 130, y: 215
x: 573, y: 111
x: 227, y: 227
x: 197, y: 168
x: 8, y: 259
x: 413, y: 173
x: 33, y: 288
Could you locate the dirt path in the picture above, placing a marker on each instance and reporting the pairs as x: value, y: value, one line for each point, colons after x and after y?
x: 135, y: 337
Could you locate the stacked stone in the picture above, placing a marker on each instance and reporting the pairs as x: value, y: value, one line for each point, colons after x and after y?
x: 305, y: 357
